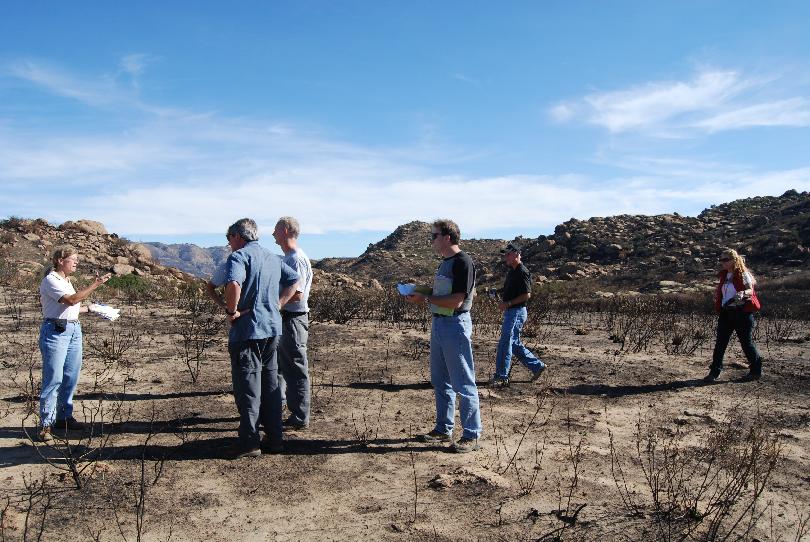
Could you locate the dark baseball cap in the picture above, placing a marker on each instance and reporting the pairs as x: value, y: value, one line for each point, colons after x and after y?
x: 511, y: 247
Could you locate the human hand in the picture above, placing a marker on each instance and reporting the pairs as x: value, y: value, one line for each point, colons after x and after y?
x: 415, y: 298
x: 502, y: 306
x: 102, y: 279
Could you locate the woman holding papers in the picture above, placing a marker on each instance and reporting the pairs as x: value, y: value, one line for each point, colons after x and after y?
x: 60, y: 341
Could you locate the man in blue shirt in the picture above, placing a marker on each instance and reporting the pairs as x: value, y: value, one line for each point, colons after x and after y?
x: 257, y: 283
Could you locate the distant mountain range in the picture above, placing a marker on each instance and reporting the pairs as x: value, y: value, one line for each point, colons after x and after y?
x: 188, y: 257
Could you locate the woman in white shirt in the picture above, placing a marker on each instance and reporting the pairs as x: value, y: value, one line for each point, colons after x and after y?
x: 60, y: 342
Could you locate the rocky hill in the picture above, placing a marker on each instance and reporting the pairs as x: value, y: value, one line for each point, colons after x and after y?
x: 26, y: 247
x: 646, y: 253
x: 405, y: 254
x: 635, y: 251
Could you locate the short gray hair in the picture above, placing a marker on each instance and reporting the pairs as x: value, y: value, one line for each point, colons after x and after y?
x: 245, y: 228
x: 291, y: 224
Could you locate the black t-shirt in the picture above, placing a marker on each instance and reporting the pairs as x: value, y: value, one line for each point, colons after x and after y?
x: 455, y: 275
x: 518, y: 281
x: 463, y: 273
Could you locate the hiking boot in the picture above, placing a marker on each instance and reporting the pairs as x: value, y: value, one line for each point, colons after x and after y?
x: 45, y: 435
x: 537, y: 375
x: 272, y: 447
x: 464, y: 445
x: 433, y: 436
x: 238, y: 452
x: 750, y: 377
x: 711, y: 377
x: 294, y: 424
x: 497, y: 382
x: 70, y: 424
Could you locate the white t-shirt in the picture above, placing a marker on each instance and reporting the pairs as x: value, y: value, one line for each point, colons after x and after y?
x: 300, y: 263
x: 51, y: 290
x: 729, y: 291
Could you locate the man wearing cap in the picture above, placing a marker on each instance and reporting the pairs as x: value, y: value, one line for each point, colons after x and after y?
x: 452, y: 371
x: 516, y: 292
x: 256, y: 283
x: 292, y: 350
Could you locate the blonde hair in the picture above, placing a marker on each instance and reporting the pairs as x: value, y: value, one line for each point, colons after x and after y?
x: 739, y: 261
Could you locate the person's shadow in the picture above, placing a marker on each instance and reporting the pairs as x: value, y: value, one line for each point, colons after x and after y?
x: 625, y: 390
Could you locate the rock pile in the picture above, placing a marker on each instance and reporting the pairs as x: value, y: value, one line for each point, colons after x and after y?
x: 30, y: 243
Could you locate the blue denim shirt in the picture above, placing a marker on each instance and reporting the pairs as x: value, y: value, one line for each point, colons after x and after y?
x: 261, y: 274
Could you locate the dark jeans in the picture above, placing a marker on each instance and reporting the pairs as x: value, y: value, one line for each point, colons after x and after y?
x: 743, y: 323
x: 254, y: 371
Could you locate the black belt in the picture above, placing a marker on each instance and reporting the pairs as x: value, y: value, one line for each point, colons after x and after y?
x: 76, y: 321
x: 290, y: 314
x: 455, y: 313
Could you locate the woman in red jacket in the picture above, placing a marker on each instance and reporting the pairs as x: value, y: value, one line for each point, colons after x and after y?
x: 736, y: 302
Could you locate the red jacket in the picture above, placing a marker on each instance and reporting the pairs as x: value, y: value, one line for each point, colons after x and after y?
x: 752, y: 305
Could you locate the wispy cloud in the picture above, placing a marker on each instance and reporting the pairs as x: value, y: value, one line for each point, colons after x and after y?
x: 466, y: 79
x: 713, y: 101
x: 103, y: 91
x: 135, y: 64
x: 791, y: 112
x: 96, y: 92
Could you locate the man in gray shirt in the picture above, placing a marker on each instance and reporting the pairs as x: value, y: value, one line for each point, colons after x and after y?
x: 256, y: 283
x: 292, y: 351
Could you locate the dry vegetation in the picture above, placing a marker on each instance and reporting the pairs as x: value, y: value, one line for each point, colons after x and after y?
x: 620, y: 440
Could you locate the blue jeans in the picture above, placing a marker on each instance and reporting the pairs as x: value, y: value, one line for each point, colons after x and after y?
x: 452, y: 373
x: 254, y: 371
x: 743, y: 323
x: 509, y: 344
x: 61, y: 365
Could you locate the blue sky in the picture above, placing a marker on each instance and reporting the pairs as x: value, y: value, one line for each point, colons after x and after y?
x: 168, y: 121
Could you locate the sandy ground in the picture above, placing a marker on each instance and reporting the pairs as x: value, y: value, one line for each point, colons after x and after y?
x: 357, y: 473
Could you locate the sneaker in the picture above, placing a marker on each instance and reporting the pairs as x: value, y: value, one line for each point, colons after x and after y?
x: 711, y: 377
x: 750, y: 377
x: 294, y: 424
x: 464, y: 445
x: 238, y: 452
x: 272, y: 447
x: 45, y: 435
x: 537, y: 375
x: 70, y: 424
x: 434, y: 436
x: 497, y: 382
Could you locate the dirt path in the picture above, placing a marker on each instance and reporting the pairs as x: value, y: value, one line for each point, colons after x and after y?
x: 357, y: 473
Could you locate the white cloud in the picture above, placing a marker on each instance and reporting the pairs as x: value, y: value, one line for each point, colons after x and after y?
x: 714, y: 100
x: 562, y: 112
x: 177, y: 173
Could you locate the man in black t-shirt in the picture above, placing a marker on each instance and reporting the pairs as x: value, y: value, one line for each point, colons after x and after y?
x: 517, y: 289
x: 451, y: 359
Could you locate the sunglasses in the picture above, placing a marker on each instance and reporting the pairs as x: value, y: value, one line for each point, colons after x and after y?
x: 434, y: 235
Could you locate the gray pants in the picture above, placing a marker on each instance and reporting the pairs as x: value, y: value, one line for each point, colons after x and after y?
x: 294, y: 369
x: 254, y: 371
